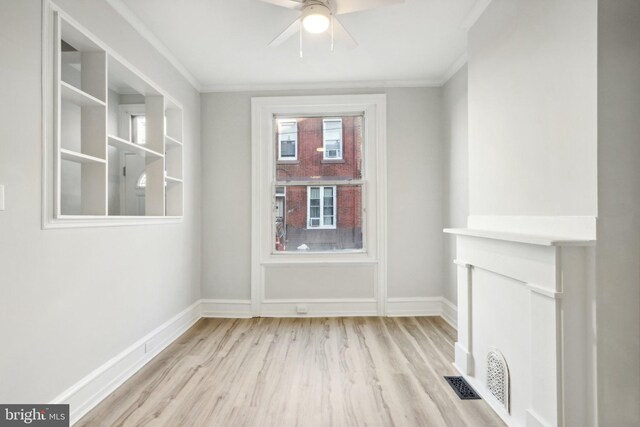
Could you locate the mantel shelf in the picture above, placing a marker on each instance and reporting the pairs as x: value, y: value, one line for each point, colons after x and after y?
x: 530, y: 239
x: 123, y: 144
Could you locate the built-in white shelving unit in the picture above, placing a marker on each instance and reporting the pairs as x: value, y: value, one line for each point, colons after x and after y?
x: 118, y: 149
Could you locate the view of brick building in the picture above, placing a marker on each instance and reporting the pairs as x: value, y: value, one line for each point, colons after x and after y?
x: 326, y: 212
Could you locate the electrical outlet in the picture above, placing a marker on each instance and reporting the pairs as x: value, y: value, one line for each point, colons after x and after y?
x: 302, y: 309
x: 1, y: 197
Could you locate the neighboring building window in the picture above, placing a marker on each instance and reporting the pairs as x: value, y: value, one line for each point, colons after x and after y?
x: 321, y: 207
x: 332, y: 139
x: 287, y: 140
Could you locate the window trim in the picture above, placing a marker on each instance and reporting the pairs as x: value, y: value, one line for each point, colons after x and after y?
x: 295, y: 145
x: 324, y: 139
x: 322, y: 226
x: 263, y: 256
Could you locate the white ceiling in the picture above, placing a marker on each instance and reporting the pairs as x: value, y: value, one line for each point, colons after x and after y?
x: 222, y: 44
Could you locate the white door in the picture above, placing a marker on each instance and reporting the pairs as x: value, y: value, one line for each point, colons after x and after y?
x: 134, y: 184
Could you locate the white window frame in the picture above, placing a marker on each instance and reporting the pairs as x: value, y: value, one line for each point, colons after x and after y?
x: 295, y: 145
x: 264, y: 111
x: 322, y: 226
x: 324, y: 139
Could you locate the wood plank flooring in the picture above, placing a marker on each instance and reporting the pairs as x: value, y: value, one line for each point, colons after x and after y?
x: 357, y: 371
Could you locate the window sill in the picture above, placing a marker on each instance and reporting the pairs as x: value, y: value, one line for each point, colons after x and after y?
x: 334, y: 161
x: 288, y: 162
x: 86, y: 221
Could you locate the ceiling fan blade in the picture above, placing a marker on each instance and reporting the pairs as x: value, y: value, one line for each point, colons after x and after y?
x: 343, y: 35
x: 289, y: 4
x: 283, y: 36
x: 350, y: 6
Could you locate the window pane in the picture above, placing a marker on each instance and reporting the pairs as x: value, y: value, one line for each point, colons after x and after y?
x: 288, y: 149
x: 316, y: 141
x: 322, y: 218
x: 287, y: 139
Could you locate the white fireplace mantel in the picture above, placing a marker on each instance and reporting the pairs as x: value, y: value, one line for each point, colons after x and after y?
x: 529, y: 298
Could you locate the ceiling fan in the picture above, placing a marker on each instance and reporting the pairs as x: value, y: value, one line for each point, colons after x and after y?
x: 318, y: 16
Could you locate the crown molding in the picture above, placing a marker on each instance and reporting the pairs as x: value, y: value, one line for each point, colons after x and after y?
x: 373, y: 84
x: 475, y: 12
x: 129, y: 16
x: 454, y: 68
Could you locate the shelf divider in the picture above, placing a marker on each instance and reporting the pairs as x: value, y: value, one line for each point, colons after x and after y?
x: 74, y: 156
x: 76, y: 96
x: 123, y: 144
x: 171, y: 143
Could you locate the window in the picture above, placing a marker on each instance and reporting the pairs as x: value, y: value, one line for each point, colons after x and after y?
x: 318, y: 207
x: 287, y: 140
x: 142, y: 181
x: 138, y: 130
x: 283, y: 246
x: 332, y: 139
x: 321, y: 207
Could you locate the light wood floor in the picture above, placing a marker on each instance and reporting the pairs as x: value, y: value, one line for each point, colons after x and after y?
x: 298, y: 372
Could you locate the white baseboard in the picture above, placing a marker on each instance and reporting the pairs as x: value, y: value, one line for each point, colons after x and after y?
x: 96, y: 386
x: 449, y: 313
x: 423, y: 306
x: 92, y: 389
x: 232, y: 308
x: 414, y: 306
x: 345, y: 307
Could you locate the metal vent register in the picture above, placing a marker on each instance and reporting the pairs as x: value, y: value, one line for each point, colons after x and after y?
x: 462, y: 388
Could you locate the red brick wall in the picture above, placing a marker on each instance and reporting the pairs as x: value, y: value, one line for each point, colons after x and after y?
x: 311, y: 165
x: 310, y: 161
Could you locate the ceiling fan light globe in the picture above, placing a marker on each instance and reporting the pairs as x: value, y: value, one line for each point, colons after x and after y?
x: 316, y: 18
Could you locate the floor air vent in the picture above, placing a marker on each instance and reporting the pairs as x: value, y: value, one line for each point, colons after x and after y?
x: 462, y: 388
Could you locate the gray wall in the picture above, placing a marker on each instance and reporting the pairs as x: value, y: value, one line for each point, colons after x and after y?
x: 532, y: 109
x: 618, y: 249
x: 415, y: 197
x: 456, y: 159
x: 71, y: 299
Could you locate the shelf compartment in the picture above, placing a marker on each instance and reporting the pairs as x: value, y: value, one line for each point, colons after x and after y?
x: 131, y: 147
x: 82, y: 184
x: 125, y: 81
x: 76, y: 96
x: 171, y: 143
x: 74, y: 156
x: 173, y: 163
x: 173, y: 197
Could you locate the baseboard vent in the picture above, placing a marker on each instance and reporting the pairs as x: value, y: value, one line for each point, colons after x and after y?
x: 462, y: 388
